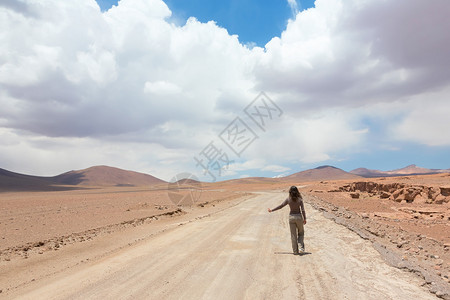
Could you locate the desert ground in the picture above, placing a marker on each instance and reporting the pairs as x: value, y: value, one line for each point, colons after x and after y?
x: 130, y: 242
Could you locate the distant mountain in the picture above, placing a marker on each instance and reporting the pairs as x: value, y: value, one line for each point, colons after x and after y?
x: 109, y: 176
x: 408, y: 170
x: 367, y: 172
x: 321, y: 173
x: 10, y: 181
x: 106, y: 176
x: 411, y: 169
x: 248, y: 180
x: 94, y: 176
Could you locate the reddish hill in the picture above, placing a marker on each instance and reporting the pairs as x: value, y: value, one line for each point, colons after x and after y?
x: 368, y: 173
x: 106, y: 176
x: 94, y: 176
x: 409, y: 170
x: 10, y: 181
x: 321, y: 173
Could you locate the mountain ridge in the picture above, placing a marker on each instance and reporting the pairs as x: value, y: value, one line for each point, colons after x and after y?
x: 75, y: 179
x: 325, y: 172
x: 408, y: 170
x: 106, y: 176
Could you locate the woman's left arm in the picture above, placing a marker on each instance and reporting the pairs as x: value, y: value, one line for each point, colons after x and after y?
x: 303, y: 212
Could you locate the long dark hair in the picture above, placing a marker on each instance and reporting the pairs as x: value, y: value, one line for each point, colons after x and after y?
x: 294, y: 194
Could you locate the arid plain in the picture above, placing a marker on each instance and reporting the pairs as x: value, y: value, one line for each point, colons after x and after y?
x: 51, y: 239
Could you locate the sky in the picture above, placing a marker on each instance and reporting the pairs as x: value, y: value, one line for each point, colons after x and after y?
x: 223, y: 89
x: 253, y: 23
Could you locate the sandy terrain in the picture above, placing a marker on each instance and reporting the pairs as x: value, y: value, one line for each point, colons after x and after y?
x: 41, y: 221
x: 233, y: 250
x: 129, y: 241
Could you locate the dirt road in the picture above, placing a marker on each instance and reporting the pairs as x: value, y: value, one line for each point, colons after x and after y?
x: 240, y: 252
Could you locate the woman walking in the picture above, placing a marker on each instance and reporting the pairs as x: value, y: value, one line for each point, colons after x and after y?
x: 297, y: 218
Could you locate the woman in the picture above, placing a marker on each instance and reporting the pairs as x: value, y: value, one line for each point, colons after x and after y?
x: 297, y: 218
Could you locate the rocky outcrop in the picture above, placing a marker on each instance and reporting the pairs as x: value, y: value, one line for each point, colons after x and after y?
x: 445, y: 191
x: 399, y: 192
x: 354, y: 195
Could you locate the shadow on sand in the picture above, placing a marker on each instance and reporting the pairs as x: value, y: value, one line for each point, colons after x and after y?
x: 291, y: 253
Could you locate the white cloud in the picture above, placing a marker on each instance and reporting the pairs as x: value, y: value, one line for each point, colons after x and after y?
x: 117, y: 72
x: 314, y: 138
x: 275, y: 168
x: 294, y: 7
x: 248, y: 165
x: 161, y: 88
x: 339, y: 53
x: 281, y: 175
x: 128, y: 88
x: 99, y: 67
x: 426, y: 122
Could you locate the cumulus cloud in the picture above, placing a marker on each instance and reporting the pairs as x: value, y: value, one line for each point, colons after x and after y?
x: 275, y: 168
x: 425, y: 121
x: 311, y: 139
x: 127, y: 87
x: 85, y: 73
x: 161, y: 88
x: 341, y: 54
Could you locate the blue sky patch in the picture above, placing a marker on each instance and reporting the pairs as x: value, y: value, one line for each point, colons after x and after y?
x: 255, y: 22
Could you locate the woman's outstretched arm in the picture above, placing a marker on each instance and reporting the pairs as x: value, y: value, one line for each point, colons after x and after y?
x: 285, y: 202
